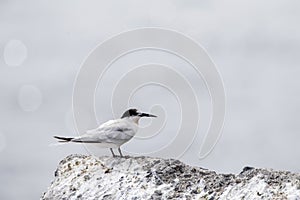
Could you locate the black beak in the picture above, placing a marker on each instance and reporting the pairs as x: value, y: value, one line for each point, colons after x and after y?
x: 146, y: 115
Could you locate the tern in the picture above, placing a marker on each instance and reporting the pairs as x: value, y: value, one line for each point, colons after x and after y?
x: 113, y: 133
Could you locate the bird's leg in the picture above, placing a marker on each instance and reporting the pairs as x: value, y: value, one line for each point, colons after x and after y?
x: 111, y: 150
x: 119, y: 149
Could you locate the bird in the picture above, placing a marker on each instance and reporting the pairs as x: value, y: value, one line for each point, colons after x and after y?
x: 111, y: 134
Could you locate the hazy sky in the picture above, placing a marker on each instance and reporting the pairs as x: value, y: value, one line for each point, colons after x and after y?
x: 254, y: 44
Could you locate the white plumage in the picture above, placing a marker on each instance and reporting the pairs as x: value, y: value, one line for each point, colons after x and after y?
x: 113, y: 133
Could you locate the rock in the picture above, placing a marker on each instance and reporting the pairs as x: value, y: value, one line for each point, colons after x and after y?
x: 89, y: 177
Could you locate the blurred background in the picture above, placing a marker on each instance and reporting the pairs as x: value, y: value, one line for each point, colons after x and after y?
x: 255, y: 45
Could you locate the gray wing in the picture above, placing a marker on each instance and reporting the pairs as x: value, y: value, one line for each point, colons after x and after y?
x: 114, y: 131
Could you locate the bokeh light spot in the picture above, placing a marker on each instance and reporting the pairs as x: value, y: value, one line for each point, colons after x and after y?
x: 30, y: 98
x: 2, y: 142
x: 15, y: 52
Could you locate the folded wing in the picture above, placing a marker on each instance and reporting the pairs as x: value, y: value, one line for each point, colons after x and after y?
x: 113, y: 131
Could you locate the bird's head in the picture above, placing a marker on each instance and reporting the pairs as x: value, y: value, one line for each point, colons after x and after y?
x: 135, y: 115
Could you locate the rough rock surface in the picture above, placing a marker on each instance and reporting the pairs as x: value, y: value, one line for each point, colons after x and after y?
x: 89, y: 177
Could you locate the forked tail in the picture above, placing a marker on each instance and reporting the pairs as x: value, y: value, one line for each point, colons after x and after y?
x: 63, y: 139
